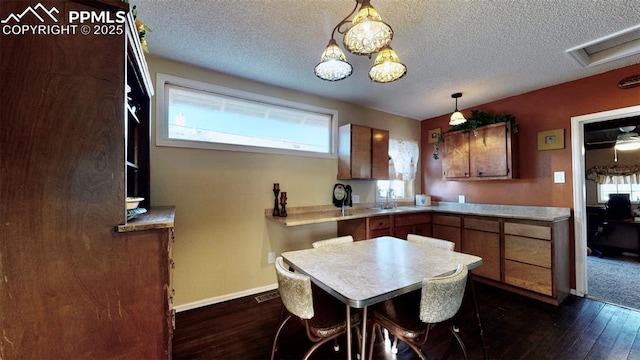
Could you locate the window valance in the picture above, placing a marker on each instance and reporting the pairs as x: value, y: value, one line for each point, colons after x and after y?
x: 616, y: 174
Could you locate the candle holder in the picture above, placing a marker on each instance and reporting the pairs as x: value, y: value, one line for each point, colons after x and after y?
x: 276, y: 208
x: 283, y: 203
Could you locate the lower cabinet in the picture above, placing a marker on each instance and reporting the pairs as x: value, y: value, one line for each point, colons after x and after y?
x: 149, y: 240
x: 524, y: 256
x: 448, y: 227
x: 414, y: 223
x: 366, y: 228
x: 481, y: 237
x: 536, y: 257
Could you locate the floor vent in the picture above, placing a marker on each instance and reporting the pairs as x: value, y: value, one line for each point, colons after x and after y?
x: 267, y: 296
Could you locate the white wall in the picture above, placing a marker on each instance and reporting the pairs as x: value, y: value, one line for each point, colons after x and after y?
x: 222, y: 235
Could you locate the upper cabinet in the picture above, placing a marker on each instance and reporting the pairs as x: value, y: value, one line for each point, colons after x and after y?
x: 487, y: 154
x: 363, y: 153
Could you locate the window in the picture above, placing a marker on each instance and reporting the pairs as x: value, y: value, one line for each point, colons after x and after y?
x: 403, y: 165
x: 199, y: 115
x: 605, y: 189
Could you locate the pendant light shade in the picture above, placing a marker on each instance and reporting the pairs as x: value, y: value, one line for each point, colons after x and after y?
x: 387, y: 67
x: 368, y: 34
x: 457, y: 118
x: 333, y: 64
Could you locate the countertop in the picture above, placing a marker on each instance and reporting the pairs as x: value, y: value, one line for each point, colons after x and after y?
x: 320, y: 214
x: 155, y: 218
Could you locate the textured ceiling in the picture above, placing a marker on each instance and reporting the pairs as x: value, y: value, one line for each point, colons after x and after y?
x: 488, y: 50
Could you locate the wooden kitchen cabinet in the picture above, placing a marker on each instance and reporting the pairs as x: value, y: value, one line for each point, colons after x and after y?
x: 455, y: 155
x: 482, y: 238
x: 74, y: 286
x: 413, y: 223
x: 448, y: 227
x: 366, y: 228
x: 488, y: 154
x: 536, y: 257
x: 363, y: 153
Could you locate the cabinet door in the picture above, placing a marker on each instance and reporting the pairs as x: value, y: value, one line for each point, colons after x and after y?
x: 379, y: 154
x: 354, y: 227
x: 489, y: 151
x: 360, y: 152
x: 455, y: 155
x: 448, y: 227
x: 487, y: 246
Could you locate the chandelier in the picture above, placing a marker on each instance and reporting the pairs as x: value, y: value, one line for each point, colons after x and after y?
x: 366, y: 35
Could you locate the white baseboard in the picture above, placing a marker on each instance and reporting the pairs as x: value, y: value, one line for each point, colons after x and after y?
x: 223, y: 298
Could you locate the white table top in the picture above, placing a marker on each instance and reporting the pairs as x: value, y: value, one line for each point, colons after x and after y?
x: 363, y: 273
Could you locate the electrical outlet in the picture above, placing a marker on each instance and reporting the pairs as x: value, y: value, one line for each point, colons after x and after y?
x: 355, y: 198
x: 461, y: 199
x: 271, y: 257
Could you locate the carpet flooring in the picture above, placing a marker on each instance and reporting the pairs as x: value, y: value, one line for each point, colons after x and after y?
x: 614, y: 280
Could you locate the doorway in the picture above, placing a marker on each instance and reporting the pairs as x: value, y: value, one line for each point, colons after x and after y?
x: 579, y: 186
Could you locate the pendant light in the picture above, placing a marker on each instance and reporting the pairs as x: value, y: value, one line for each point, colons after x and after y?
x: 333, y: 65
x: 457, y: 118
x: 387, y: 67
x: 368, y: 34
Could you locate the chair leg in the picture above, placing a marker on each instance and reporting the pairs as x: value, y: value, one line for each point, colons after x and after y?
x: 275, y: 341
x: 455, y: 331
x: 375, y: 327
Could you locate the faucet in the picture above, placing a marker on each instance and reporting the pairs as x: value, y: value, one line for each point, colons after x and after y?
x: 387, y: 204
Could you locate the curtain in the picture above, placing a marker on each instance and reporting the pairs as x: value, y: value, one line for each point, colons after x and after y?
x: 616, y: 174
x: 404, y: 155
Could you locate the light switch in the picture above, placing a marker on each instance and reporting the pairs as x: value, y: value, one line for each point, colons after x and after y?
x: 558, y: 177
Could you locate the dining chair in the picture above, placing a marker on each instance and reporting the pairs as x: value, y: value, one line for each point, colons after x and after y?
x: 410, y: 318
x: 334, y: 241
x: 439, y: 243
x: 323, y: 316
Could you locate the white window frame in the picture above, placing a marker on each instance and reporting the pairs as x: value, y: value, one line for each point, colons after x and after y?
x: 162, y: 126
x: 602, y: 199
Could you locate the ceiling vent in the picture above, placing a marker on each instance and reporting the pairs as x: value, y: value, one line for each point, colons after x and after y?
x: 609, y: 48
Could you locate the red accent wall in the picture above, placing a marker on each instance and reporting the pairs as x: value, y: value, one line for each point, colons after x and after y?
x: 545, y: 109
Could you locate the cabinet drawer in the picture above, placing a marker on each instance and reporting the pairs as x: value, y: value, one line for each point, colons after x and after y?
x: 482, y: 224
x: 449, y: 220
x: 528, y: 230
x: 379, y: 222
x: 412, y: 219
x: 527, y: 250
x: 528, y: 277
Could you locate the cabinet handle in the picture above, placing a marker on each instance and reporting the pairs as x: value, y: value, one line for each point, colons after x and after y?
x: 173, y: 264
x: 479, y: 173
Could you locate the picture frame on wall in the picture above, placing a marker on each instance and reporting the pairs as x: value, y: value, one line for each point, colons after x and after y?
x: 551, y: 139
x: 433, y: 135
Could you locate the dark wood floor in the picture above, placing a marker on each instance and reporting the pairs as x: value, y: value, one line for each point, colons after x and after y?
x: 515, y: 327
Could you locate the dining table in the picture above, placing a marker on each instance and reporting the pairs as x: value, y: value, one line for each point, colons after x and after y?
x: 364, y: 273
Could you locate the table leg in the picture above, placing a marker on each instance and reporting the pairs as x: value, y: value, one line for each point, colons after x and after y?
x: 485, y: 356
x: 348, y: 332
x: 364, y: 334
